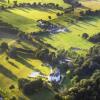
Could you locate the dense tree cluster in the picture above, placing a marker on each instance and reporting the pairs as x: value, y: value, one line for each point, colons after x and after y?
x: 86, y: 14
x: 95, y: 38
x: 51, y: 57
x: 30, y: 87
x: 74, y: 3
x: 86, y: 89
x: 90, y: 63
x: 4, y: 46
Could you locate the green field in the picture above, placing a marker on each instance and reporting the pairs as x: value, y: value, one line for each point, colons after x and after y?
x: 60, y: 2
x: 94, y: 5
x: 21, y: 68
x: 25, y: 19
x: 74, y: 38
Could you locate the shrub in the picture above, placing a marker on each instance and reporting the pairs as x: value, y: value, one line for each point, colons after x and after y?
x: 13, y: 53
x: 85, y: 35
x: 30, y: 87
x: 95, y: 38
x: 49, y: 17
x: 4, y: 46
x: 13, y: 98
x: 12, y: 87
x: 22, y: 82
x: 33, y: 87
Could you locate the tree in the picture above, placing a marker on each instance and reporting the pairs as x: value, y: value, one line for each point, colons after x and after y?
x: 4, y: 46
x: 15, y: 3
x: 8, y: 1
x: 73, y: 3
x: 49, y: 17
x: 95, y: 38
x: 32, y: 87
x: 86, y: 89
x: 85, y: 35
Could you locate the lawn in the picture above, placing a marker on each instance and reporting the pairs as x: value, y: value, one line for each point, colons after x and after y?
x: 26, y: 18
x: 93, y: 4
x: 12, y: 70
x: 60, y: 2
x: 74, y: 38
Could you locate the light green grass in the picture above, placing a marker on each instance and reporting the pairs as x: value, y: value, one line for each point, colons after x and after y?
x: 20, y: 70
x: 74, y: 38
x: 60, y: 2
x: 93, y: 4
x: 25, y: 18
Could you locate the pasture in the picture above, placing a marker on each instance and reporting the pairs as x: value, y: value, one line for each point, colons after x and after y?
x: 25, y: 19
x: 74, y: 37
x: 94, y: 5
x: 60, y: 2
x: 13, y: 69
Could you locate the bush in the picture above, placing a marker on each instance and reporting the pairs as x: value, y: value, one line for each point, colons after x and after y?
x: 13, y: 98
x: 13, y: 53
x: 33, y: 87
x: 12, y: 87
x: 49, y: 17
x: 58, y: 97
x: 30, y: 87
x: 22, y: 82
x: 4, y: 46
x: 95, y: 38
x: 85, y: 35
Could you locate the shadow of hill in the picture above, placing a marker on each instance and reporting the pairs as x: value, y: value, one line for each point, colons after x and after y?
x: 7, y: 72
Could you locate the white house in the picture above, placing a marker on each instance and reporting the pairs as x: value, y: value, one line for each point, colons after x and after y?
x: 55, y: 76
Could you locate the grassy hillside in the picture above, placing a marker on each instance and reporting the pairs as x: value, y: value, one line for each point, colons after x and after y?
x: 25, y: 18
x: 94, y: 5
x: 60, y: 2
x: 11, y: 70
x: 74, y: 38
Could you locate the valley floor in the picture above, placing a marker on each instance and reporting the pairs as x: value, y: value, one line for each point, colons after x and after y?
x: 25, y: 19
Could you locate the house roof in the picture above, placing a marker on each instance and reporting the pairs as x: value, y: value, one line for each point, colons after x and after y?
x: 56, y: 73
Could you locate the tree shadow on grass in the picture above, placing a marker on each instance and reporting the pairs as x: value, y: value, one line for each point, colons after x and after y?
x: 24, y: 62
x: 87, y: 24
x: 88, y: 19
x: 11, y: 63
x: 7, y: 72
x: 80, y: 26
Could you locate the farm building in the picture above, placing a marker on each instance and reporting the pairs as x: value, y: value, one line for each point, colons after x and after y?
x: 55, y: 76
x: 50, y: 27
